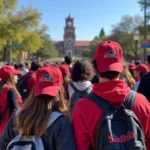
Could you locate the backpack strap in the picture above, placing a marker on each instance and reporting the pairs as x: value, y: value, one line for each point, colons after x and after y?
x: 76, y: 90
x: 73, y: 86
x: 130, y: 99
x: 53, y: 117
x: 102, y: 103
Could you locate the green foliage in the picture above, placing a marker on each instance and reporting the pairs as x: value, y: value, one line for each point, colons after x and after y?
x: 102, y: 33
x: 123, y: 33
x: 86, y: 52
x: 48, y: 50
x: 22, y: 27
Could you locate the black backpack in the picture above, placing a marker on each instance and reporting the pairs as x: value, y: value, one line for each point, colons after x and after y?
x: 118, y: 127
x: 77, y: 95
x: 23, y: 87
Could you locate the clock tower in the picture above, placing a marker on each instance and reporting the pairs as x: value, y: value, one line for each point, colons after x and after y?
x: 69, y: 36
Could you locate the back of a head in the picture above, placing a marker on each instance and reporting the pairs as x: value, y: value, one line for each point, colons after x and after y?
x: 68, y: 60
x: 108, y: 60
x: 137, y: 63
x: 21, y: 65
x: 35, y: 66
x: 82, y: 71
x: 46, y: 97
x: 148, y: 59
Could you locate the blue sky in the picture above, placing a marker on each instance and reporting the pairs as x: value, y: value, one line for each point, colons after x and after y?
x: 90, y: 15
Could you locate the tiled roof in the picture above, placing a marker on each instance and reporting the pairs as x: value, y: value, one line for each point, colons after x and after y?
x: 83, y: 43
x: 78, y: 43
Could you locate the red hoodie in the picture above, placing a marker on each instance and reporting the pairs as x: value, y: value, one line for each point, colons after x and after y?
x: 31, y: 77
x: 3, y: 105
x: 86, y: 114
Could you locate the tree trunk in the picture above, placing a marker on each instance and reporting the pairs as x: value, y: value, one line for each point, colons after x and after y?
x: 5, y: 54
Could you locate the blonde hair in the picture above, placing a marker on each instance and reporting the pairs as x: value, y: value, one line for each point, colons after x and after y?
x: 10, y: 82
x: 128, y: 76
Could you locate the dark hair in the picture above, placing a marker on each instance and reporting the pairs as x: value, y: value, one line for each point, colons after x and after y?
x: 68, y: 60
x: 82, y: 71
x: 26, y: 64
x: 35, y: 66
x: 21, y: 65
x: 148, y: 59
x: 109, y: 74
x: 16, y: 66
x: 137, y: 63
x: 132, y: 72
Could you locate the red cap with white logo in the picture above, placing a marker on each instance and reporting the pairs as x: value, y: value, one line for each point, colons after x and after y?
x: 48, y: 81
x: 109, y: 57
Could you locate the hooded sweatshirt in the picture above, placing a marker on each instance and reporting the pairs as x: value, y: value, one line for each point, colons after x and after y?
x: 81, y: 86
x: 87, y: 114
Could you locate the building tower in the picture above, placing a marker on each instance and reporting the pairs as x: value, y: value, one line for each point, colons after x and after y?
x: 69, y: 36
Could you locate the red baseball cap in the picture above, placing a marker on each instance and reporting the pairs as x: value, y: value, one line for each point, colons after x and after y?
x: 7, y: 71
x: 48, y: 81
x: 142, y: 68
x: 64, y: 69
x: 109, y: 57
x: 132, y: 66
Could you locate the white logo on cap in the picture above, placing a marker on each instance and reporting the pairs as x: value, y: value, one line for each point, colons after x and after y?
x: 46, y: 78
x: 111, y: 54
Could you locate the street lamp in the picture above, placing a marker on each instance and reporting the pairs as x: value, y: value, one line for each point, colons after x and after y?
x: 136, y: 38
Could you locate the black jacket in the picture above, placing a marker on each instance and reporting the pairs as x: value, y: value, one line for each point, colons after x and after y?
x: 144, y: 87
x: 59, y: 136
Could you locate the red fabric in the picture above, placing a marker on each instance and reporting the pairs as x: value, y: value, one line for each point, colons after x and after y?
x: 64, y: 69
x: 31, y: 78
x: 132, y: 66
x: 7, y: 71
x: 142, y: 68
x: 85, y: 119
x: 109, y: 57
x: 48, y: 81
x: 3, y: 104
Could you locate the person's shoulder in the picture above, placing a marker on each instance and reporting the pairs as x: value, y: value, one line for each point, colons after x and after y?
x: 86, y: 104
x: 60, y: 122
x: 141, y: 102
x: 146, y: 76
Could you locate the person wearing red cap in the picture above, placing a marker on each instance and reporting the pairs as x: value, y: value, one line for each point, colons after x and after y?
x: 27, y: 82
x: 139, y: 71
x: 9, y: 97
x: 108, y: 61
x: 132, y: 68
x: 44, y: 104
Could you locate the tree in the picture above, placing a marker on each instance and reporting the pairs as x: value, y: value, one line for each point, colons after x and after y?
x: 19, y: 26
x: 147, y: 4
x: 102, y: 33
x: 123, y: 34
x: 86, y: 53
x: 48, y: 50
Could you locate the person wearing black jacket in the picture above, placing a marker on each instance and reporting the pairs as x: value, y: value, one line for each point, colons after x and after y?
x: 144, y: 85
x: 46, y: 98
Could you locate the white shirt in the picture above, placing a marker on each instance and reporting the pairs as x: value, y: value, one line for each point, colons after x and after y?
x: 80, y: 85
x: 24, y: 71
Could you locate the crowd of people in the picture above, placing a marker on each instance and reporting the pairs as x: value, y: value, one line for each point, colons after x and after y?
x: 101, y: 104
